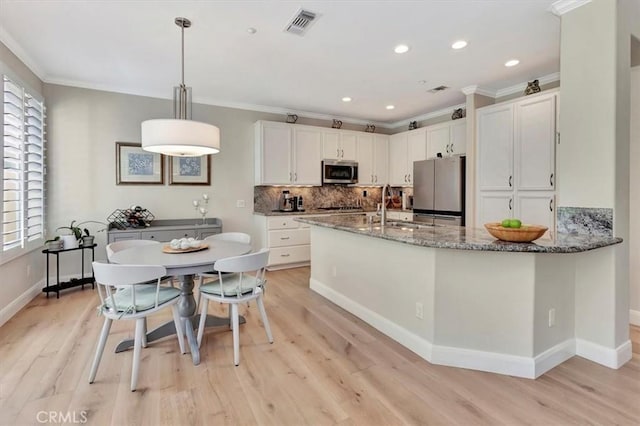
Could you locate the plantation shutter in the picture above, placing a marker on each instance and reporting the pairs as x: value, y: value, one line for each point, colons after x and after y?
x: 23, y: 167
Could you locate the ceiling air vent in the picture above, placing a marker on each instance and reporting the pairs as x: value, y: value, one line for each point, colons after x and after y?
x: 301, y: 22
x: 437, y: 89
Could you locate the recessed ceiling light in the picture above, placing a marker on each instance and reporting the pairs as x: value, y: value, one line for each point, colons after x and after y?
x: 251, y: 30
x: 459, y: 44
x: 401, y: 48
x: 511, y: 63
x: 346, y: 99
x: 390, y: 107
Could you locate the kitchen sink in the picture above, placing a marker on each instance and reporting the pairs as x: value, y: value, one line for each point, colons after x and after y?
x: 409, y: 225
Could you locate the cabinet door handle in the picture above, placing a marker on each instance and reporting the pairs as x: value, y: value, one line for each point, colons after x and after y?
x: 295, y: 177
x: 510, y: 202
x: 152, y: 237
x: 290, y: 177
x: 551, y: 205
x: 285, y: 255
x: 409, y: 177
x: 342, y: 153
x: 376, y: 178
x: 551, y: 179
x: 284, y: 238
x: 372, y: 178
x: 338, y: 152
x: 451, y: 149
x: 510, y: 179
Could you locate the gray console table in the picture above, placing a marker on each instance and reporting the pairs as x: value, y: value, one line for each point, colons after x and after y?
x: 166, y: 230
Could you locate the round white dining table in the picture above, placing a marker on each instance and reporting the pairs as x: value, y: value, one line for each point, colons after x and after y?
x: 184, y: 266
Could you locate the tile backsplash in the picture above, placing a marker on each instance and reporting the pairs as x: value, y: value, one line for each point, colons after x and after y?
x: 265, y: 198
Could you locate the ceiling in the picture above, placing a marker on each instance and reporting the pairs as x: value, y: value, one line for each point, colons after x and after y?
x: 134, y: 47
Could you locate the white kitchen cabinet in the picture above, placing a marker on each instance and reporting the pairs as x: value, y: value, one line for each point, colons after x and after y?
x: 494, y: 207
x: 307, y: 156
x: 372, y: 159
x: 458, y: 144
x: 495, y: 148
x: 538, y: 208
x: 287, y: 154
x: 339, y: 145
x: 535, y: 132
x: 516, y: 161
x: 288, y: 241
x: 404, y: 149
x: 448, y: 138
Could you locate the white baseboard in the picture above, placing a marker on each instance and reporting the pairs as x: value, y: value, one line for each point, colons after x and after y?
x: 612, y: 358
x: 14, y: 307
x: 513, y: 365
x: 554, y: 356
x: 407, y: 339
x: 634, y: 317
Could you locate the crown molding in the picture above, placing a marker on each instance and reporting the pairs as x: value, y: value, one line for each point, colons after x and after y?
x: 475, y: 89
x: 519, y: 88
x: 20, y: 53
x: 561, y: 7
x: 438, y: 113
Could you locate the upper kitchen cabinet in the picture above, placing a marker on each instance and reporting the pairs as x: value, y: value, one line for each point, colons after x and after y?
x: 287, y: 154
x: 339, y: 145
x: 448, y: 138
x: 495, y: 148
x: 516, y: 145
x: 404, y: 149
x: 516, y: 160
x: 535, y: 136
x: 373, y: 157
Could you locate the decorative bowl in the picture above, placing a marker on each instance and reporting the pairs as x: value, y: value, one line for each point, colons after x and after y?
x: 524, y: 234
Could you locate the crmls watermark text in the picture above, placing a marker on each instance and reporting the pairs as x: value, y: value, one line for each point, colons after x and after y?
x: 59, y: 417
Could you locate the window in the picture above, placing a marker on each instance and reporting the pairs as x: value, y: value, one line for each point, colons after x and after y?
x: 23, y: 169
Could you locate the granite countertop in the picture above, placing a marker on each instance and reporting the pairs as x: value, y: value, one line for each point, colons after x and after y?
x: 323, y: 212
x: 459, y: 237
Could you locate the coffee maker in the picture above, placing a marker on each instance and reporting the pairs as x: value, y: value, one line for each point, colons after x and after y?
x: 286, y: 203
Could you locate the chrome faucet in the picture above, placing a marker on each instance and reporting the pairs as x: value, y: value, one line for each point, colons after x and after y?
x: 383, y: 207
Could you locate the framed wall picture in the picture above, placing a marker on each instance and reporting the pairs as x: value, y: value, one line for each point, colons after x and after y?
x: 137, y: 167
x: 190, y: 170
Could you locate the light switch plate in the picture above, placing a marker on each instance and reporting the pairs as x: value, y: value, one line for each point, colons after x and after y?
x: 240, y: 204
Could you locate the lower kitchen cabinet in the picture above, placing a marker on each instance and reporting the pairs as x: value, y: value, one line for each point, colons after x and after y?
x: 400, y: 215
x: 167, y: 230
x: 531, y: 207
x: 289, y: 241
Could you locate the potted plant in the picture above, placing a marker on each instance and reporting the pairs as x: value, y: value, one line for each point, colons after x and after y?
x: 54, y: 244
x: 71, y: 241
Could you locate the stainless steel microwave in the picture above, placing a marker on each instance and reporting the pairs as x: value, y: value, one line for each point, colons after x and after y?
x: 339, y: 172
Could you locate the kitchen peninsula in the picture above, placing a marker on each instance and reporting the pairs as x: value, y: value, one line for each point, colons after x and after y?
x: 458, y: 297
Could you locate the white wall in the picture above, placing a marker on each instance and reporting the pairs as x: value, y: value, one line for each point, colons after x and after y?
x: 84, y: 126
x: 634, y: 199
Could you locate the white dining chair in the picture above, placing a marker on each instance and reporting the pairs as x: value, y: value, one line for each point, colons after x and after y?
x: 238, y: 287
x: 117, y: 246
x: 132, y: 300
x: 238, y: 237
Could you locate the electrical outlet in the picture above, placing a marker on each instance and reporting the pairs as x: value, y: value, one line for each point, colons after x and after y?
x: 334, y: 271
x: 240, y: 204
x: 419, y: 310
x: 552, y: 317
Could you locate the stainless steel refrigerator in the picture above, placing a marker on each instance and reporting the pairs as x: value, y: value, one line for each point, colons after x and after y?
x: 439, y: 190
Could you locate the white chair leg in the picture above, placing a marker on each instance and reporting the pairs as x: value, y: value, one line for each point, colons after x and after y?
x: 236, y: 333
x: 137, y: 348
x: 230, y: 317
x: 203, y: 319
x: 100, y: 349
x: 179, y: 328
x: 144, y: 334
x: 265, y: 321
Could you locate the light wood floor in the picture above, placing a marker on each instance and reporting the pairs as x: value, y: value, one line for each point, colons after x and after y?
x: 325, y: 367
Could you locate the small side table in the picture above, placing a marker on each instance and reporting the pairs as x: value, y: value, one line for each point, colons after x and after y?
x: 74, y: 282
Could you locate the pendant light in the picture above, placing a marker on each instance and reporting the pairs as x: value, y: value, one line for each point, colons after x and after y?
x: 181, y: 136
